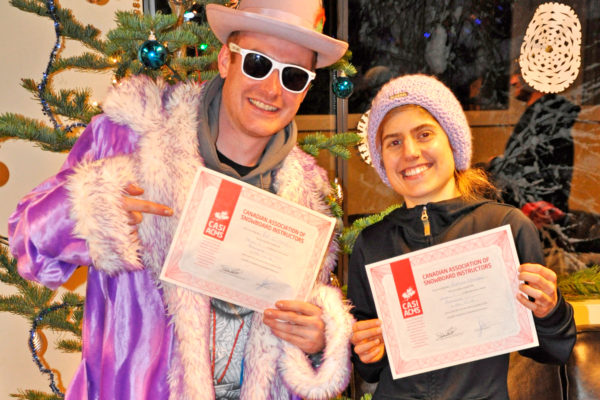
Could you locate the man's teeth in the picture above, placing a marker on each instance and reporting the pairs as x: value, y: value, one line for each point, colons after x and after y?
x: 415, y: 171
x: 262, y: 105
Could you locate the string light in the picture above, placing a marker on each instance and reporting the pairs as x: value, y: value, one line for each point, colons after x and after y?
x: 34, y: 344
x: 42, y: 85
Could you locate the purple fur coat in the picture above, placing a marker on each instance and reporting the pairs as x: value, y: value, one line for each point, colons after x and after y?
x: 142, y: 338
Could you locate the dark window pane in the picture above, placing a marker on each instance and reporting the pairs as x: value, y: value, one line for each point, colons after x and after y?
x: 465, y: 43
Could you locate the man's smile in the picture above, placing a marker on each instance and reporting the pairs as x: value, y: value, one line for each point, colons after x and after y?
x: 261, y: 105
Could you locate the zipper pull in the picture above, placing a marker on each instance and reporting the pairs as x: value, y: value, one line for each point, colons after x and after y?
x: 425, y: 220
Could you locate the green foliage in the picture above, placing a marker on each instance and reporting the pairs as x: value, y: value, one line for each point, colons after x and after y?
x: 583, y: 284
x: 349, y: 235
x: 334, y: 201
x: 31, y: 300
x: 21, y: 127
x: 35, y: 395
x: 132, y: 30
x: 366, y: 396
x: 69, y: 345
x: 73, y: 104
x: 344, y: 65
x: 117, y: 53
x: 336, y: 144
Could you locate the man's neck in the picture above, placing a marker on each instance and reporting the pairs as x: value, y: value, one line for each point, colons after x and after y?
x: 535, y: 96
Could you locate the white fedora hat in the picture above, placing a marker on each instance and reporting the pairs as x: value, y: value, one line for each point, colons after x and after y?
x: 298, y: 21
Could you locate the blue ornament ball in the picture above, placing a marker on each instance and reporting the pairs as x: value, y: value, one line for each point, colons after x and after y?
x: 152, y: 54
x: 342, y: 87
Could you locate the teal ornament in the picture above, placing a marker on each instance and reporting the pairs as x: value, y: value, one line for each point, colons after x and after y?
x: 152, y: 54
x: 342, y: 87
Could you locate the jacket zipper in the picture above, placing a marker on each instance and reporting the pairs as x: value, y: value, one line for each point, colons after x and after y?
x: 426, y: 225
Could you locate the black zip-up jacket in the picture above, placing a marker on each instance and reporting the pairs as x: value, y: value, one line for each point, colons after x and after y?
x: 402, y: 231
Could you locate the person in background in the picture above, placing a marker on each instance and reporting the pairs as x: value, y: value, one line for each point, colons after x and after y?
x: 535, y: 171
x: 420, y: 144
x: 116, y: 202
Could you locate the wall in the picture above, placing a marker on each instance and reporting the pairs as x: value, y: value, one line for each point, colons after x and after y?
x: 25, y: 48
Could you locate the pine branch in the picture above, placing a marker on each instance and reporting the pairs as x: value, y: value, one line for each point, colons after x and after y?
x: 349, y: 235
x: 32, y: 6
x: 69, y: 346
x: 36, y: 395
x: 20, y: 127
x: 131, y: 26
x: 120, y: 53
x: 336, y: 144
x: 344, y: 65
x: 35, y: 303
x: 177, y: 39
x: 334, y: 200
x: 33, y: 298
x: 14, y: 304
x: 132, y: 30
x: 72, y: 104
x: 8, y: 270
x: 583, y: 284
x: 70, y: 28
x: 86, y: 61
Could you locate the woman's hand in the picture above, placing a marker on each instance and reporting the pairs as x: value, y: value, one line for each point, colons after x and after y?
x: 539, y: 283
x: 368, y: 341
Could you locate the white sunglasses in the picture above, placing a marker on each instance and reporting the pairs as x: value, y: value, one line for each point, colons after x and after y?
x: 258, y: 66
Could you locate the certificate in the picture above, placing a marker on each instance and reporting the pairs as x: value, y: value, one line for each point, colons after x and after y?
x: 245, y: 245
x: 451, y: 303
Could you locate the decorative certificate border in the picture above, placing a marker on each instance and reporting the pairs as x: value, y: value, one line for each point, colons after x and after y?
x: 498, y: 241
x: 206, y: 184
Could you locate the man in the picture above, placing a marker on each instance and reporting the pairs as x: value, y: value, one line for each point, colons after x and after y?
x: 537, y: 164
x: 535, y: 172
x: 117, y: 200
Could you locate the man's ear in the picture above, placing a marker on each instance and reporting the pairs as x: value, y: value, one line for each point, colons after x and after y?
x: 224, y: 60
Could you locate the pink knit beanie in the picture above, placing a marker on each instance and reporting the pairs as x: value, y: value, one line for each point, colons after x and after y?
x: 435, y: 97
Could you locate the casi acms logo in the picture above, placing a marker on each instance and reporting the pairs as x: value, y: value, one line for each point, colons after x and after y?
x: 410, y: 305
x: 223, y: 207
x: 406, y: 288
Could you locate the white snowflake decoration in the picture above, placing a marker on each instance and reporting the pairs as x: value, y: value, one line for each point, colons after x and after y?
x: 550, y: 53
x: 363, y: 147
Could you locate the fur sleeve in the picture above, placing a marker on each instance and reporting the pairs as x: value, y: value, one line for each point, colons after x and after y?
x: 332, y: 376
x: 95, y: 190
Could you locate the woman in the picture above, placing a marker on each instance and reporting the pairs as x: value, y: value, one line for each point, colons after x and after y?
x: 420, y: 144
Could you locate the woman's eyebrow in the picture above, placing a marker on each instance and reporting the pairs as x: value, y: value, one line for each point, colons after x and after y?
x: 425, y: 125
x: 413, y: 130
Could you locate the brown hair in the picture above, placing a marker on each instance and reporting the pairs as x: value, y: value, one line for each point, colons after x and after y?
x: 475, y: 184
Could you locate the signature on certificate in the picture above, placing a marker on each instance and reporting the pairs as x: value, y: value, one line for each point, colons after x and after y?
x: 482, y: 326
x: 230, y: 270
x: 266, y: 285
x: 447, y: 333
